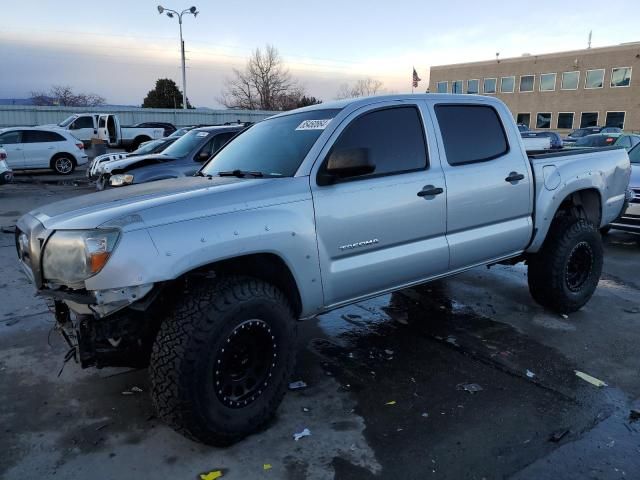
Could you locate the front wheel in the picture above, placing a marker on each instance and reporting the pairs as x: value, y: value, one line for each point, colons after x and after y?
x: 221, y: 362
x: 564, y: 274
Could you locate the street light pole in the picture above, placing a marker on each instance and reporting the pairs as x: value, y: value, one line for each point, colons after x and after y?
x: 171, y: 13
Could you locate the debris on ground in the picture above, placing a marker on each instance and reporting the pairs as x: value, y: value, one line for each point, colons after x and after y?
x: 425, y: 415
x: 530, y: 374
x: 306, y: 409
x: 304, y: 433
x: 211, y: 475
x: 392, y: 402
x: 388, y: 352
x: 565, y: 316
x: 469, y: 387
x: 136, y: 389
x: 127, y: 392
x: 266, y: 466
x: 297, y: 385
x: 558, y: 435
x: 452, y: 340
x: 103, y: 426
x: 632, y: 310
x: 634, y: 414
x: 592, y: 380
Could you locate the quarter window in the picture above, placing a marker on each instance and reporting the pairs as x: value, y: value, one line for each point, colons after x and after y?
x: 471, y: 133
x: 40, y: 136
x: 489, y: 85
x: 570, y: 80
x: 526, y: 83
x: 11, y: 138
x: 565, y: 120
x: 594, y: 79
x: 524, y: 119
x: 620, y: 77
x: 543, y: 120
x: 394, y: 138
x: 588, y: 119
x: 473, y: 86
x: 456, y: 86
x: 507, y: 84
x: 443, y: 87
x: 547, y: 82
x: 615, y: 119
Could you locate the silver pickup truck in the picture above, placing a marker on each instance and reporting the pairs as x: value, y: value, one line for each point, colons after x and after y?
x: 203, y: 278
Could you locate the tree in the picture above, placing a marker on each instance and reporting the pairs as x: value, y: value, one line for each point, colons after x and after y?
x: 361, y: 88
x: 264, y: 84
x: 64, y: 96
x: 166, y: 94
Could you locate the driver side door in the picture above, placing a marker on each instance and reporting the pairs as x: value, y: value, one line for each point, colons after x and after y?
x: 12, y: 143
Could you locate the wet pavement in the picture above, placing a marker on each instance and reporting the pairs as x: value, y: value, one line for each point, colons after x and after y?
x: 464, y: 378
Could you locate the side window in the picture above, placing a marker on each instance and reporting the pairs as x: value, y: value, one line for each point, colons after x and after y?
x: 220, y: 140
x: 39, y: 136
x: 394, y: 138
x: 11, y: 138
x: 83, y: 122
x: 634, y: 141
x: 471, y: 133
x: 102, y: 122
x: 625, y: 142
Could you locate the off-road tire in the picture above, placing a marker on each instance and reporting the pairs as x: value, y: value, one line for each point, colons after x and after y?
x: 189, y: 342
x: 548, y: 269
x: 63, y: 164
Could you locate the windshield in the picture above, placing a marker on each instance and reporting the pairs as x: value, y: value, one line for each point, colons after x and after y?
x: 67, y: 121
x: 634, y: 154
x: 185, y: 144
x: 148, y: 147
x: 275, y: 147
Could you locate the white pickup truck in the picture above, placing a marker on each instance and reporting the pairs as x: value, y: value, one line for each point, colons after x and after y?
x: 106, y: 126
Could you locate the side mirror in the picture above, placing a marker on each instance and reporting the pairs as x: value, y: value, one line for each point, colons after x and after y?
x: 346, y: 163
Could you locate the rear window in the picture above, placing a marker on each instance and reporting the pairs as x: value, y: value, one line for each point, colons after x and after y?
x: 39, y: 136
x: 471, y: 133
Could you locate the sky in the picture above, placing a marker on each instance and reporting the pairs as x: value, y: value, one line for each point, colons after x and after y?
x: 118, y: 48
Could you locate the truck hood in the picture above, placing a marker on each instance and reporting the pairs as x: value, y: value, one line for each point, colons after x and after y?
x: 137, y: 160
x: 167, y: 201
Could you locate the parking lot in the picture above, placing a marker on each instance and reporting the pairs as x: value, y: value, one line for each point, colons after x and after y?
x: 461, y: 378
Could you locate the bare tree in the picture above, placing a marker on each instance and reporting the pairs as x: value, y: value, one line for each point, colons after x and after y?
x: 264, y: 84
x: 64, y: 95
x: 361, y: 88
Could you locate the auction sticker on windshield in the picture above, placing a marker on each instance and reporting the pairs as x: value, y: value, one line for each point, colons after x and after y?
x: 314, y: 124
x: 202, y: 134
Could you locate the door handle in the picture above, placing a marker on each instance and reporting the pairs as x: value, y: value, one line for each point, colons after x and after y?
x: 514, y: 177
x: 430, y: 191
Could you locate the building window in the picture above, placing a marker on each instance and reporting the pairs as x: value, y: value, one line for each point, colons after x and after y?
x: 543, y: 120
x: 570, y: 80
x: 456, y: 86
x: 547, y: 82
x: 526, y: 83
x: 589, y: 119
x: 620, y: 77
x: 507, y: 84
x: 594, y: 79
x: 565, y: 120
x: 615, y: 119
x: 442, y: 87
x: 473, y: 86
x: 490, y: 85
x: 524, y: 119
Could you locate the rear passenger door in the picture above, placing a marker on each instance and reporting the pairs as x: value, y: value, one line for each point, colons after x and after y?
x: 12, y: 143
x: 489, y: 189
x: 379, y: 231
x: 39, y: 147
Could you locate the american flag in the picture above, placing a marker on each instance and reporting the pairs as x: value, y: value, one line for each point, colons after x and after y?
x: 416, y: 78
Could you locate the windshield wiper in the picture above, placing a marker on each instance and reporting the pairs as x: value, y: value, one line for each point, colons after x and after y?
x: 240, y: 173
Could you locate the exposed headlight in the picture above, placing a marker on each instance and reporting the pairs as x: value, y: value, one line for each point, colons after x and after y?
x: 120, y: 179
x: 72, y: 256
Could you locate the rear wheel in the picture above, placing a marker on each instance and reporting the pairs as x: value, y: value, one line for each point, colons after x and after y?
x: 63, y: 164
x: 566, y: 271
x: 221, y: 362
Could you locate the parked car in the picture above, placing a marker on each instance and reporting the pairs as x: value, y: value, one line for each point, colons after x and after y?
x: 555, y: 140
x: 106, y: 126
x: 583, y: 132
x: 203, y: 278
x: 630, y: 219
x: 182, y: 158
x: 6, y: 174
x: 169, y: 128
x: 40, y: 147
x: 625, y: 140
x: 146, y: 148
